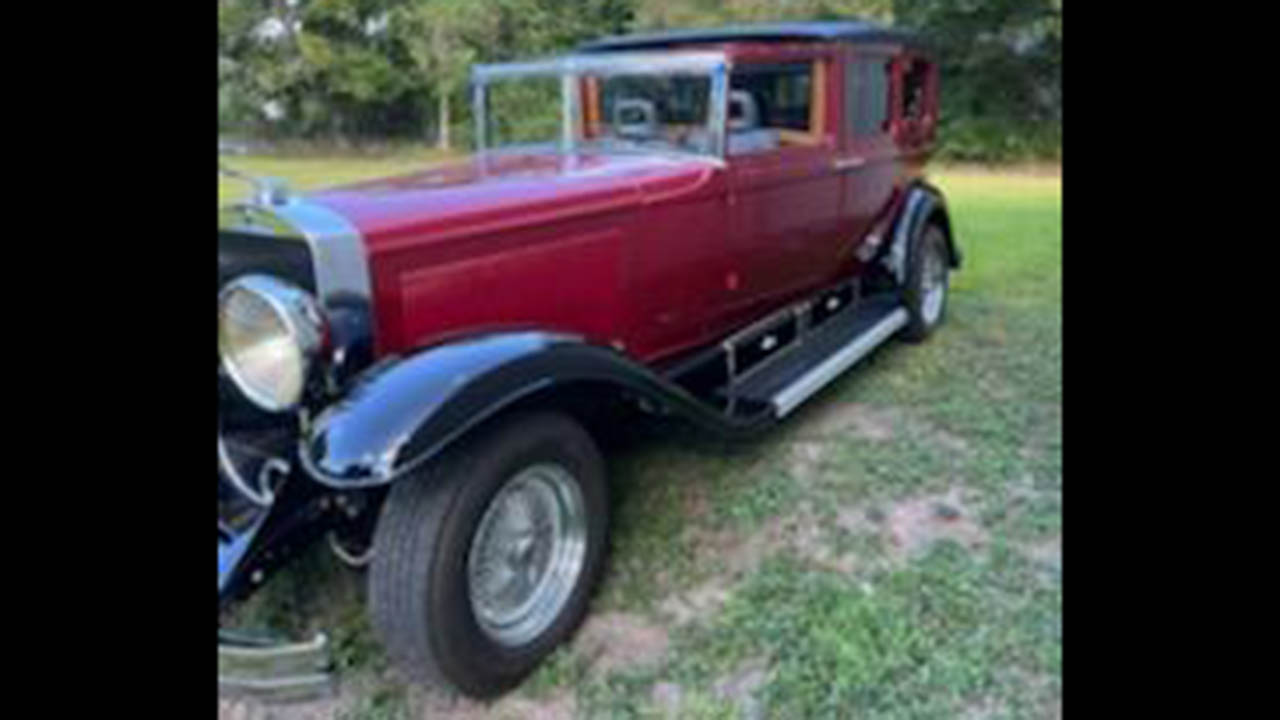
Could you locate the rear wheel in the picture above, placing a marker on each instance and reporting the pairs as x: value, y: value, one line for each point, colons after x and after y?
x: 928, y: 282
x: 485, y: 559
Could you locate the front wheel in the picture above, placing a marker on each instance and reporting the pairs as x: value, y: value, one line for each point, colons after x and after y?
x: 927, y: 283
x: 484, y: 559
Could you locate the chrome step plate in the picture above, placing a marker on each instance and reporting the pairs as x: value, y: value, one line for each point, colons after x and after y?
x: 790, y: 397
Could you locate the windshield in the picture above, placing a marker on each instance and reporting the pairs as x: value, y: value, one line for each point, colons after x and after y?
x: 604, y: 105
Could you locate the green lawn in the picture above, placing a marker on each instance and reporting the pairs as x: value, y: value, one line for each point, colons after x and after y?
x: 892, y: 551
x: 308, y: 173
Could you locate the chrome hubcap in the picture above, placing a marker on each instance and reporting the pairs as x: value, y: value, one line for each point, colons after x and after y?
x: 527, y: 554
x: 933, y: 283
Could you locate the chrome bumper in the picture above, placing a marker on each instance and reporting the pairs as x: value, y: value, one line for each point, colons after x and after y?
x: 274, y: 672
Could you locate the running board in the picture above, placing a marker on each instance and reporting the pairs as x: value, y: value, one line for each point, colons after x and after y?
x: 802, y: 388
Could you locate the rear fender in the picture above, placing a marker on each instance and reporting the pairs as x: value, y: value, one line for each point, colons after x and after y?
x: 923, y: 203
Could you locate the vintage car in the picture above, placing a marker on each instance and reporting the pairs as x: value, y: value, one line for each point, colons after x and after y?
x: 713, y: 225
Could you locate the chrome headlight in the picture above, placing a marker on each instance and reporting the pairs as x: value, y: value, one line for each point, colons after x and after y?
x: 269, y: 334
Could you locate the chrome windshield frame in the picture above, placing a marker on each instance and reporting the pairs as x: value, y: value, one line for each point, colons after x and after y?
x: 715, y: 65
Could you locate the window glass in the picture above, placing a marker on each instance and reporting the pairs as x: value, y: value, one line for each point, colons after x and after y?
x: 913, y: 89
x: 769, y: 106
x: 867, y: 95
x: 622, y: 113
x: 523, y: 112
x: 661, y: 112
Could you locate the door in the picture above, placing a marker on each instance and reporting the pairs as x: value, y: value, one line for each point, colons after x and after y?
x: 868, y: 162
x: 784, y: 192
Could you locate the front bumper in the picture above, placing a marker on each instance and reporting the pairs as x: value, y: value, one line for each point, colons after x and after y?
x: 278, y: 672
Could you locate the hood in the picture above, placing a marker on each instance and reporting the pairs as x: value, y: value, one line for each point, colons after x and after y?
x: 490, y: 193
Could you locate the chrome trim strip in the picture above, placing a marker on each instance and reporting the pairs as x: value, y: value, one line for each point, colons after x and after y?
x: 250, y: 652
x: 603, y: 64
x: 847, y: 163
x: 719, y: 119
x: 337, y: 250
x: 479, y: 109
x: 264, y: 498
x: 295, y: 671
x: 790, y: 397
x: 569, y: 114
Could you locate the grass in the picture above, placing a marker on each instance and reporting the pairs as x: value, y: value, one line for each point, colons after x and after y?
x: 801, y: 536
x: 310, y: 173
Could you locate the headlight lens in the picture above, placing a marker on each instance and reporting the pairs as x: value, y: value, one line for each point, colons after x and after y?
x: 269, y: 332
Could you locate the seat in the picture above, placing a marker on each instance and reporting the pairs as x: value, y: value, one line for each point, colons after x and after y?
x: 745, y: 134
x: 635, y: 118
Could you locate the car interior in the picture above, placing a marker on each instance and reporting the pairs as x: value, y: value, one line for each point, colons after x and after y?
x: 769, y: 107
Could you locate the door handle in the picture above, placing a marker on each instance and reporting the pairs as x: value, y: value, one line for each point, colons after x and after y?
x: 848, y: 163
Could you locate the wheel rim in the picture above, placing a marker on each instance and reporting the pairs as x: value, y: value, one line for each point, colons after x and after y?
x: 527, y: 554
x: 933, y: 283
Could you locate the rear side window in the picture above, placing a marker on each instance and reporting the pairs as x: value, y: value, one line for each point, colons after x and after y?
x: 867, y: 95
x: 914, y: 83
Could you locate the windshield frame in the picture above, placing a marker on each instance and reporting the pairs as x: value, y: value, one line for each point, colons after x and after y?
x: 713, y: 64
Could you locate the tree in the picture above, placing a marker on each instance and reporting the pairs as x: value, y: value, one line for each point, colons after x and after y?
x: 1001, y: 63
x: 435, y: 33
x: 379, y: 68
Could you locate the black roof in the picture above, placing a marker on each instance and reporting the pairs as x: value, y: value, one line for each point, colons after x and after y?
x: 851, y: 30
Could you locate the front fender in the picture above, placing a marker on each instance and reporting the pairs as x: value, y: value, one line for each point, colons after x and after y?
x: 400, y: 415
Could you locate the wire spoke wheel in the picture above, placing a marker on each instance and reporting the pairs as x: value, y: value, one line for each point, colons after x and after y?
x: 527, y: 554
x: 933, y: 281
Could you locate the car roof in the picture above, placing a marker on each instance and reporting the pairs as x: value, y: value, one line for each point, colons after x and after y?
x: 847, y: 30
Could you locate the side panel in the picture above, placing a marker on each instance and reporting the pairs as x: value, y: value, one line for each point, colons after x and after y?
x: 784, y: 208
x: 676, y: 269
x: 562, y: 276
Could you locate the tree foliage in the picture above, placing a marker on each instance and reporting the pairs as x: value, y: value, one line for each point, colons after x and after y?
x: 364, y: 69
x: 1000, y: 62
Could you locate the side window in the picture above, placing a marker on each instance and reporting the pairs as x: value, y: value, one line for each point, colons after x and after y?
x: 867, y: 95
x: 914, y: 79
x: 773, y: 106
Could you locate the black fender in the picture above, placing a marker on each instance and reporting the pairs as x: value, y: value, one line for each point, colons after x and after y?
x: 404, y: 412
x: 923, y: 202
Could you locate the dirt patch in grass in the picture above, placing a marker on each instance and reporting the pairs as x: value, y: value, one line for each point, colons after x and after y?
x: 805, y: 459
x: 615, y: 640
x: 741, y: 687
x: 237, y: 708
x: 843, y: 418
x: 911, y: 526
x: 701, y: 602
x: 557, y: 706
x: 666, y: 697
x: 246, y: 709
x: 1047, y: 555
x: 737, y: 554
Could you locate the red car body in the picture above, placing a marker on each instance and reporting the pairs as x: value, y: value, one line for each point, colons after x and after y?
x: 652, y: 255
x: 376, y: 338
